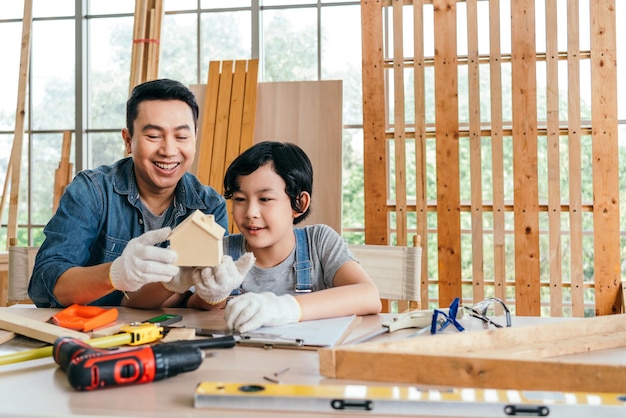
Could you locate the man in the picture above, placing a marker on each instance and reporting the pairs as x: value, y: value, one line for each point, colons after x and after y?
x: 106, y: 243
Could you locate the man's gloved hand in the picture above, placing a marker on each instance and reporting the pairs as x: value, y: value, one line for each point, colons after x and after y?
x: 142, y: 262
x: 254, y: 310
x: 214, y: 284
x: 182, y: 281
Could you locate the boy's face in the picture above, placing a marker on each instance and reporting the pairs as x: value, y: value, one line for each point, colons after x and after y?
x: 262, y: 210
x: 163, y: 145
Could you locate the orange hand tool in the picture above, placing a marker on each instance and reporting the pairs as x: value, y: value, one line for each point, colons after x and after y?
x: 84, y: 318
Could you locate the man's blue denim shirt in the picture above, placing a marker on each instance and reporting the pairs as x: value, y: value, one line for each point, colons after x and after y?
x: 97, y: 215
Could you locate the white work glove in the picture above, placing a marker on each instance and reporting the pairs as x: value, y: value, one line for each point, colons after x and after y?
x: 142, y: 262
x: 182, y: 281
x: 254, y: 310
x: 214, y: 284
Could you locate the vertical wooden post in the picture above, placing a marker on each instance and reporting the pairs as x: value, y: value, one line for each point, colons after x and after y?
x: 497, y: 151
x: 374, y: 148
x: 605, y: 157
x: 144, y: 65
x: 399, y: 125
x: 575, y: 164
x: 525, y: 176
x: 63, y: 174
x: 447, y: 137
x: 554, y: 161
x: 421, y: 203
x: 475, y: 140
x: 16, y: 152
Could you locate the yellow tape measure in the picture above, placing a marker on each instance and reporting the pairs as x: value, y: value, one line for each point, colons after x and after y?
x: 408, y: 400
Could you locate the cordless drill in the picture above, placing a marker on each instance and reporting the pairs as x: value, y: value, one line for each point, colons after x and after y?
x: 90, y: 368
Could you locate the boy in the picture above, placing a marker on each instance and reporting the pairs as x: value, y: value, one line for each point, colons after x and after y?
x: 298, y: 273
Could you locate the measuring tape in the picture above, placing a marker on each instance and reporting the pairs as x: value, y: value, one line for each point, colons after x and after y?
x: 408, y: 401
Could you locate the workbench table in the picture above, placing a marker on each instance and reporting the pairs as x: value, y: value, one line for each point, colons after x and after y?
x: 40, y: 388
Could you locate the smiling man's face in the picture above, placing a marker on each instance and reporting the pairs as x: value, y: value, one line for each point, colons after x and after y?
x: 163, y: 145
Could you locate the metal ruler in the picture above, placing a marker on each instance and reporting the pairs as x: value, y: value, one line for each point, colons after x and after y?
x: 408, y: 401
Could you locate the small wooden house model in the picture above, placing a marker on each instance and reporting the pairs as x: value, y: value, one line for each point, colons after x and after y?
x: 198, y: 241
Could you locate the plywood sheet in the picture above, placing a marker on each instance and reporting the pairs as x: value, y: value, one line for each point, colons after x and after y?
x: 308, y: 113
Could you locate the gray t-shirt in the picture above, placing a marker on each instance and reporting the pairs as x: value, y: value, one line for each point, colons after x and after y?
x: 328, y: 253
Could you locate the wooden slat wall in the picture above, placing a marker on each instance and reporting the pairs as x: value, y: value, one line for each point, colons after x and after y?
x: 527, y: 135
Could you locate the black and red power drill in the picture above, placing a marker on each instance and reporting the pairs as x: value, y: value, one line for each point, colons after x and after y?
x: 90, y: 368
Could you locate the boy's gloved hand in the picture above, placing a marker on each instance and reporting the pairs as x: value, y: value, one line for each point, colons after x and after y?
x: 214, y: 284
x: 142, y: 263
x: 254, y: 310
x: 182, y: 281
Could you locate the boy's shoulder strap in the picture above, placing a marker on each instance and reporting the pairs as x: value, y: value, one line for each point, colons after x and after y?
x: 302, y: 266
x: 233, y: 249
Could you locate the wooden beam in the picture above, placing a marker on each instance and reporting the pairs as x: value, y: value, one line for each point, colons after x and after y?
x: 523, y: 358
x: 374, y: 142
x: 38, y: 330
x: 525, y: 174
x: 447, y: 151
x: 20, y: 112
x: 63, y: 174
x: 605, y: 152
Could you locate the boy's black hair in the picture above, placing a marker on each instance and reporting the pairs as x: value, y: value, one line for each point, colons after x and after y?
x: 162, y: 89
x: 288, y: 160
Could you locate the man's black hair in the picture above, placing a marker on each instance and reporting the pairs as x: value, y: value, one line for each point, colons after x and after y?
x: 162, y: 89
x: 288, y: 160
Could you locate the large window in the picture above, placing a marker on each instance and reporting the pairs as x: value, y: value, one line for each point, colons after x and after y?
x: 80, y: 71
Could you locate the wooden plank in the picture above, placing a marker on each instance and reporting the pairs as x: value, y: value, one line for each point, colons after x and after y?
x: 249, y: 106
x: 220, y: 137
x: 38, y: 330
x: 155, y: 45
x: 525, y: 177
x: 575, y: 166
x: 497, y: 151
x: 554, y: 161
x: 20, y: 112
x: 525, y: 357
x: 419, y: 88
x: 209, y: 115
x: 63, y: 174
x: 399, y: 125
x: 139, y: 45
x: 605, y: 152
x: 374, y: 149
x: 447, y: 154
x: 6, y: 336
x: 4, y: 283
x: 475, y: 138
x: 235, y: 118
x: 150, y: 46
x: 473, y: 372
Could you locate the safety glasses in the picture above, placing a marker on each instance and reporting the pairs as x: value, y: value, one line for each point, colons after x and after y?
x: 487, y: 311
x: 441, y: 318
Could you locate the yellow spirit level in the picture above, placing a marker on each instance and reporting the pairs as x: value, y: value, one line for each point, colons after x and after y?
x: 408, y: 400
